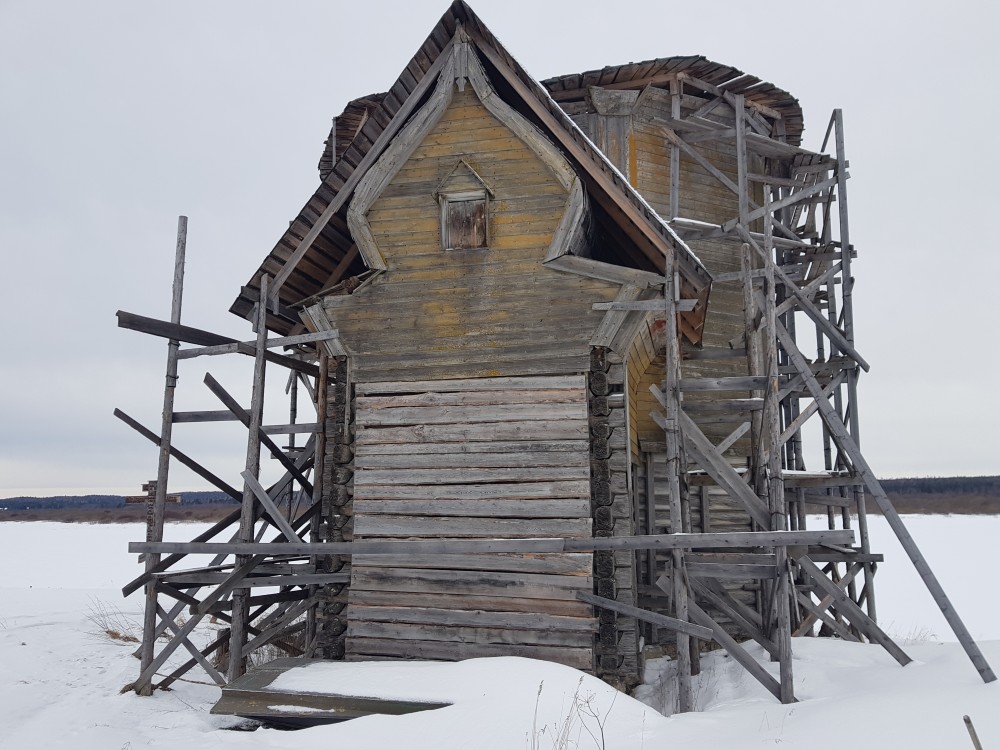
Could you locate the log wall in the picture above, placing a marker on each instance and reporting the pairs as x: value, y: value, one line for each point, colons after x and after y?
x: 467, y: 459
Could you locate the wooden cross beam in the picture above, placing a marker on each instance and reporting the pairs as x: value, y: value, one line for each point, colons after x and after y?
x: 826, y: 601
x: 846, y: 443
x: 250, y: 347
x: 244, y: 416
x: 670, y: 623
x: 718, y: 597
x: 851, y: 611
x: 195, y: 653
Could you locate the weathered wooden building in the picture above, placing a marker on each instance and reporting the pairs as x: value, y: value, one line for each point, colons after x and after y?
x: 548, y: 327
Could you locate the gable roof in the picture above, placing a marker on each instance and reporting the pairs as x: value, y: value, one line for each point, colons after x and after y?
x: 317, y: 251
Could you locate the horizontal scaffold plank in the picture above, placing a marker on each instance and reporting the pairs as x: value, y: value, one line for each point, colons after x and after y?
x: 470, y: 384
x: 512, y: 491
x: 497, y: 508
x: 461, y: 527
x: 729, y: 540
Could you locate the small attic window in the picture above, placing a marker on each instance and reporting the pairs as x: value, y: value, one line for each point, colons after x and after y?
x: 464, y: 220
x: 464, y: 198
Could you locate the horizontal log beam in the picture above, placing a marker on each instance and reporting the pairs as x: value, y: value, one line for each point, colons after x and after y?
x: 737, y: 539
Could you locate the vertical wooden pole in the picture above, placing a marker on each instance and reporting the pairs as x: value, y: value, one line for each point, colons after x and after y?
x: 771, y: 430
x: 852, y: 377
x: 241, y: 596
x: 672, y: 394
x: 319, y: 468
x: 154, y: 532
x: 675, y: 152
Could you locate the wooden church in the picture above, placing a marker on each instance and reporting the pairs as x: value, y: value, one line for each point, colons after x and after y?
x: 550, y: 330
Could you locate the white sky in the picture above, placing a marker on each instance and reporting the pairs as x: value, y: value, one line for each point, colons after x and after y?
x: 118, y: 116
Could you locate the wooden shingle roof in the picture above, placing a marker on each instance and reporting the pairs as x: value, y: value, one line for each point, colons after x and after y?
x: 316, y: 252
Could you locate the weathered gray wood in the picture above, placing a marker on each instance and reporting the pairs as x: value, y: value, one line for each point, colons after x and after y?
x: 465, y: 527
x: 253, y: 421
x: 249, y: 347
x: 365, y: 648
x: 291, y: 429
x: 180, y: 456
x: 847, y: 444
x: 256, y: 434
x: 272, y: 510
x: 720, y: 636
x: 806, y: 624
x: 720, y: 470
x: 720, y: 599
x: 740, y: 539
x: 417, y: 457
x: 497, y: 508
x: 203, y: 416
x: 852, y: 611
x: 595, y: 269
x: 443, y: 476
x: 191, y: 335
x: 471, y: 384
x: 154, y: 527
x: 733, y: 383
x: 578, y: 564
x: 471, y: 618
x: 651, y: 305
x: 670, y: 623
x: 818, y: 613
x: 403, y: 631
x: 565, y: 489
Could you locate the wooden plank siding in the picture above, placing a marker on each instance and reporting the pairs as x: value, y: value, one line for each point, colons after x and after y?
x: 492, y: 311
x: 504, y: 459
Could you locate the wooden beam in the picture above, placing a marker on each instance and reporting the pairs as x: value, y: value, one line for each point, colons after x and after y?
x: 670, y: 623
x: 188, y: 335
x: 849, y: 447
x: 180, y: 456
x: 851, y: 611
x: 250, y: 347
x: 719, y: 540
x: 245, y: 417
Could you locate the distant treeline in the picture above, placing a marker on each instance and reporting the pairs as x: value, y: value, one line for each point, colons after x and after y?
x: 63, y: 502
x: 943, y: 486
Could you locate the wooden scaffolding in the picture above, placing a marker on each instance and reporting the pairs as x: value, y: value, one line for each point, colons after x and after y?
x: 792, y: 237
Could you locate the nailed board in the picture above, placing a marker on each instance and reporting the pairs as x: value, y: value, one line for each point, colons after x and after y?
x: 466, y: 459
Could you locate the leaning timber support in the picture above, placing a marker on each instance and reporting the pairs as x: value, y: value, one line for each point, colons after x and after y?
x: 847, y: 445
x: 672, y: 427
x: 154, y: 532
x: 241, y: 596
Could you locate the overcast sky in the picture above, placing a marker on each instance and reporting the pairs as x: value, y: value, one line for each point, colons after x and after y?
x: 119, y: 116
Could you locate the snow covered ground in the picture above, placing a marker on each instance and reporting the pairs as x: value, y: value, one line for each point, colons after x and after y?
x: 60, y: 677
